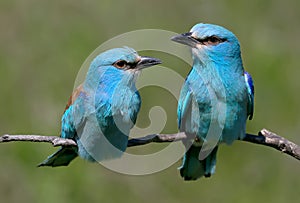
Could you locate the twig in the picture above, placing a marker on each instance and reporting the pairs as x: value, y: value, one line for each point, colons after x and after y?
x: 156, y: 138
x: 54, y: 140
x: 264, y: 137
x: 270, y: 139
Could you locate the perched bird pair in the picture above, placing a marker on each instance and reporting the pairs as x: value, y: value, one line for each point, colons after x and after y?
x: 215, y: 102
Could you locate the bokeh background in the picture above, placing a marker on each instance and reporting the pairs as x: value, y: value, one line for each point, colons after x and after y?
x: 44, y: 43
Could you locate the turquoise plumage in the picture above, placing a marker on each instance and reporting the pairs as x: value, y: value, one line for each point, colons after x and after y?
x: 101, y: 111
x: 216, y: 98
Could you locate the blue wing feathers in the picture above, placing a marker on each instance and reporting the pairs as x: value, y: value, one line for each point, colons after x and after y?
x: 250, y: 89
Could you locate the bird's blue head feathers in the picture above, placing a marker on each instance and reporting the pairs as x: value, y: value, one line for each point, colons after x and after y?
x: 111, y: 56
x: 122, y: 59
x: 117, y: 64
x: 202, y: 31
x: 210, y: 42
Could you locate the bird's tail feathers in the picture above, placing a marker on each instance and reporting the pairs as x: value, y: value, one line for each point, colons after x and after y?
x: 193, y: 168
x: 61, y: 158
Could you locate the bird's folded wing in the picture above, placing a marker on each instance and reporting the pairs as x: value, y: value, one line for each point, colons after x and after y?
x: 250, y: 89
x: 73, y: 116
x: 184, y: 107
x: 74, y: 96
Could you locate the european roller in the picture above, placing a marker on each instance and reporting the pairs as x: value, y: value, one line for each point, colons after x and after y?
x: 102, y: 110
x: 216, y: 99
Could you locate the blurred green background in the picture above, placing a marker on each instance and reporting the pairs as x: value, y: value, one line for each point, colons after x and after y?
x: 44, y: 43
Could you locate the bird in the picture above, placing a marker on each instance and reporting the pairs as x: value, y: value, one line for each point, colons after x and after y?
x: 216, y: 99
x: 102, y: 110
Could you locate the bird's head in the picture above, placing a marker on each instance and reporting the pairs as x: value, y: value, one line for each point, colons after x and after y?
x: 116, y: 65
x: 210, y: 42
x: 123, y: 59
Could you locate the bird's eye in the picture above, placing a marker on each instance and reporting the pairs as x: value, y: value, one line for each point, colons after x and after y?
x: 213, y: 40
x: 120, y: 64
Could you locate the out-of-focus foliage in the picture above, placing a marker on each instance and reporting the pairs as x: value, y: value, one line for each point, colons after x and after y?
x: 44, y: 43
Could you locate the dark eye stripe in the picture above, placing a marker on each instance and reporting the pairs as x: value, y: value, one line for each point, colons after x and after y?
x: 131, y: 65
x: 121, y: 64
x: 211, y: 40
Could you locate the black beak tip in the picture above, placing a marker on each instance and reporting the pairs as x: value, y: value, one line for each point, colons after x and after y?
x: 156, y: 61
x: 181, y: 36
x: 185, y: 38
x: 148, y: 61
x: 174, y: 38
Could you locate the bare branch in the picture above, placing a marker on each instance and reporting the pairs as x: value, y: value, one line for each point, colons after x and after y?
x: 270, y: 139
x: 54, y: 140
x: 156, y: 138
x: 264, y: 137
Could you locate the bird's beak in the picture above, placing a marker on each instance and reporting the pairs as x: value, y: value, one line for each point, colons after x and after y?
x: 185, y: 38
x: 147, y: 62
